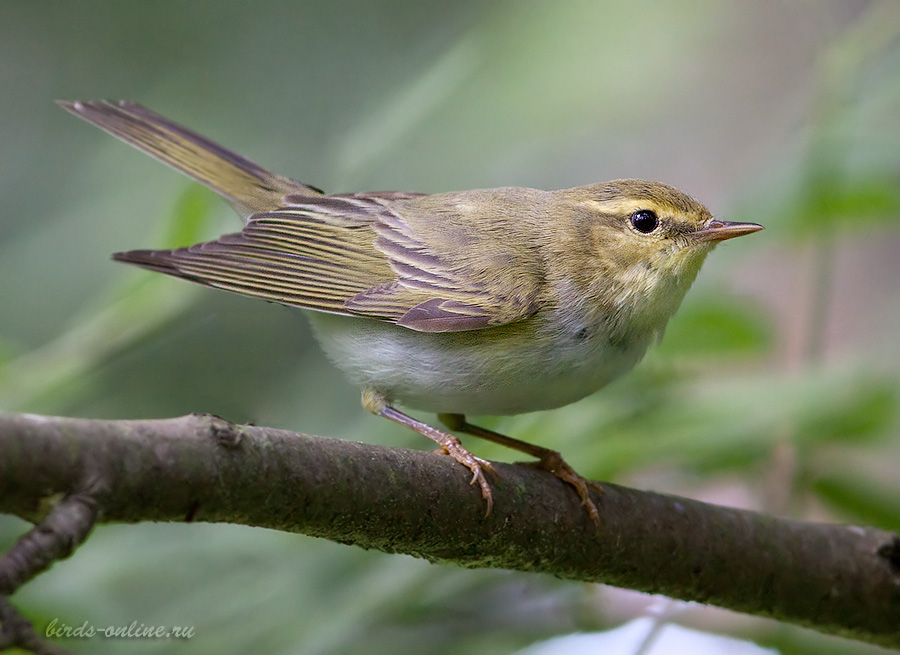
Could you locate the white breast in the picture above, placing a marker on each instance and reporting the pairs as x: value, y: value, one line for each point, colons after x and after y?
x: 510, y: 369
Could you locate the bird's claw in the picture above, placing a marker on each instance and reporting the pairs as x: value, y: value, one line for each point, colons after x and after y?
x: 476, y: 465
x: 553, y: 462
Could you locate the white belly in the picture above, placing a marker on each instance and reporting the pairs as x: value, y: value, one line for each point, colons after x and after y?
x: 510, y: 369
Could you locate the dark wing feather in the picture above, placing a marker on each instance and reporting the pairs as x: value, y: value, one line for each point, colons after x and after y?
x: 291, y: 255
x: 348, y: 255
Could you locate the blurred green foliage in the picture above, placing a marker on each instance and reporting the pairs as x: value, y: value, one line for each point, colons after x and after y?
x: 777, y: 379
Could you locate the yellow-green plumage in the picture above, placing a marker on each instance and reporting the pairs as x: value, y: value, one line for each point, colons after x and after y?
x: 495, y: 301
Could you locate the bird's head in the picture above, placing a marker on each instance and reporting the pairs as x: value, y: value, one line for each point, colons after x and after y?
x: 640, y: 246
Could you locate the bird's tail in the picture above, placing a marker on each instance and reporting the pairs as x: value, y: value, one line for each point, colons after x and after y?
x: 245, y: 184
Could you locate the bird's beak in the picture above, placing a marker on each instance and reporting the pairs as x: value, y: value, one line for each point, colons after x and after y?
x: 717, y: 230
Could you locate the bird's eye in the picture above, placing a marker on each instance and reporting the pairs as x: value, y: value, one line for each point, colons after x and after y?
x: 644, y: 221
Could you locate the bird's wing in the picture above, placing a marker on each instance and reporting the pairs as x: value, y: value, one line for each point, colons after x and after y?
x: 447, y: 280
x: 313, y: 252
x: 347, y: 254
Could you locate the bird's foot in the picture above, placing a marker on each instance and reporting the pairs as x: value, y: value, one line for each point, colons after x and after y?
x: 552, y: 461
x: 451, y: 446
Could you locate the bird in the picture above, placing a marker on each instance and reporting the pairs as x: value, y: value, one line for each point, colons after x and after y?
x: 488, y: 302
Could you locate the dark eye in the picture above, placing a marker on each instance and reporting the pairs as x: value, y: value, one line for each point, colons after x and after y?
x: 644, y: 221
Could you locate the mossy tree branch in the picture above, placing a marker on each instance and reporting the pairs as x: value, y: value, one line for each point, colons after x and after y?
x: 65, y: 474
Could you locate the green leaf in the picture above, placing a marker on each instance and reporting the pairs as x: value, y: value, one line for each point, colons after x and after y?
x: 43, y: 378
x: 190, y: 217
x: 718, y: 325
x: 860, y: 412
x: 862, y: 499
x: 842, y: 203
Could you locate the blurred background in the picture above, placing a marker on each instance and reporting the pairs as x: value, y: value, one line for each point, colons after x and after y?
x: 775, y: 388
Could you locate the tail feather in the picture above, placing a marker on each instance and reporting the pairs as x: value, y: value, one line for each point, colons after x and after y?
x: 245, y: 184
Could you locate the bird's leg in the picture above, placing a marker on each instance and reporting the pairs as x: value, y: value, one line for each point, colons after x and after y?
x: 376, y: 403
x: 549, y: 460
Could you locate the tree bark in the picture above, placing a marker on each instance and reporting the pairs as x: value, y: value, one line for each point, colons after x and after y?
x: 64, y: 474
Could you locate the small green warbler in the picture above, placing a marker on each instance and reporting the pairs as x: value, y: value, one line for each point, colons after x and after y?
x: 497, y: 301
